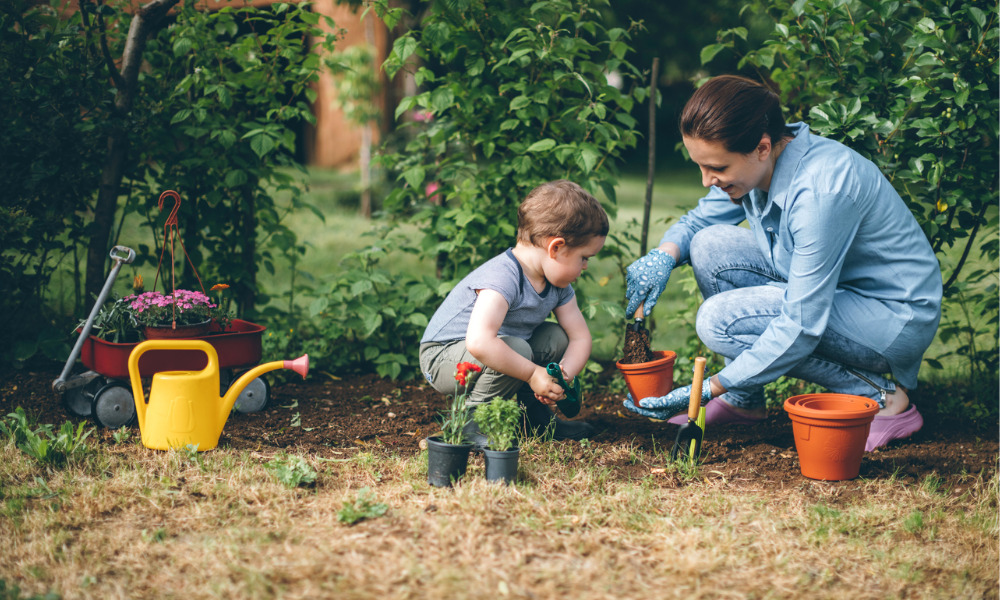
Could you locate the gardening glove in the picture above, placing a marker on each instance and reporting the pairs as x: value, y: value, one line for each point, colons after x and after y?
x: 664, y: 407
x: 645, y: 280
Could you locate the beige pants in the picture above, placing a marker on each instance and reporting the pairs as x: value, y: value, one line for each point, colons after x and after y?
x: 438, y: 362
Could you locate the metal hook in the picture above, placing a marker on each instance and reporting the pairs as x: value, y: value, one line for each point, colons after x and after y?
x: 172, y: 217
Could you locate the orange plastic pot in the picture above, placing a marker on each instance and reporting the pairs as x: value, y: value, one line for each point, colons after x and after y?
x: 830, y: 432
x: 653, y: 378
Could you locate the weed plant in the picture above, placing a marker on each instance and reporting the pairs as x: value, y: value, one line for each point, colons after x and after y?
x: 291, y: 471
x: 363, y: 506
x: 46, y: 445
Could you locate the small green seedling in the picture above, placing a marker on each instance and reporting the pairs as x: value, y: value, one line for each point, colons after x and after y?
x: 362, y: 507
x: 292, y: 471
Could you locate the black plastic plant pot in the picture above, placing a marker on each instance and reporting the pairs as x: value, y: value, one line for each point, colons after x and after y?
x: 446, y: 463
x: 501, y: 465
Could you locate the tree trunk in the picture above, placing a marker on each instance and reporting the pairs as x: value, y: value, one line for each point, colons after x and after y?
x: 145, y: 22
x: 246, y: 290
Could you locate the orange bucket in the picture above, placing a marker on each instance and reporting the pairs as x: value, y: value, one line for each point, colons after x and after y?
x: 830, y: 432
x: 652, y: 378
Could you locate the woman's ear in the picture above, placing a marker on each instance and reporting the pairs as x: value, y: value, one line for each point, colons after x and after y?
x: 552, y: 248
x: 764, y: 146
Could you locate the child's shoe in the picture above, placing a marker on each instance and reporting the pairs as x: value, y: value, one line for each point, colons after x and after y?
x: 474, y: 435
x: 540, y: 421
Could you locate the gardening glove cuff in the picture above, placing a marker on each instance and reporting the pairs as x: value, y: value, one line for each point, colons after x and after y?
x: 645, y: 280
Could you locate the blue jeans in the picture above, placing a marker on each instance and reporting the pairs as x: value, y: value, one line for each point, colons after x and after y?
x: 743, y: 294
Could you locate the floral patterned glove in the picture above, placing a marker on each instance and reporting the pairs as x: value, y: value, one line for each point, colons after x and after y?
x: 664, y: 407
x: 645, y: 280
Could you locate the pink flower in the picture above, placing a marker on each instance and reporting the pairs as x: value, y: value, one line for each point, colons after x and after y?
x: 432, y: 191
x: 423, y: 116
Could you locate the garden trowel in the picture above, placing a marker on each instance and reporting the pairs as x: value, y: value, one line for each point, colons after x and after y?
x: 690, y: 435
x: 570, y: 405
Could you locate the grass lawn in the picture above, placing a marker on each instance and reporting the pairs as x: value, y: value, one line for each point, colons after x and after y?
x: 125, y: 522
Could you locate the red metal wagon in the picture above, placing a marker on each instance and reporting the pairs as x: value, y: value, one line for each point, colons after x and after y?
x: 104, y: 391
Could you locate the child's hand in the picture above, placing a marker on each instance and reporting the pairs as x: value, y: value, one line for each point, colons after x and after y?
x: 547, y: 391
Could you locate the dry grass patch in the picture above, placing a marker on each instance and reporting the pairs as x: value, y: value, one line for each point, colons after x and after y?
x: 585, y: 521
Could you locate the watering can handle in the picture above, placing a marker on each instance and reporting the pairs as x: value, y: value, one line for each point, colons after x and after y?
x: 133, y: 365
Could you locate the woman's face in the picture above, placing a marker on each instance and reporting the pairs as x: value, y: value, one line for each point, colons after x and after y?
x: 735, y: 174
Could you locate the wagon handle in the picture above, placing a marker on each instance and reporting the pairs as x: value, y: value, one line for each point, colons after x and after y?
x: 59, y: 385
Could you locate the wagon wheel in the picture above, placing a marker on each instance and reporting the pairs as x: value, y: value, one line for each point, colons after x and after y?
x: 254, y: 397
x: 78, y: 401
x: 113, y: 406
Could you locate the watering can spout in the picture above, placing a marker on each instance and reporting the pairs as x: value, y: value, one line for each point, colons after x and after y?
x: 300, y: 365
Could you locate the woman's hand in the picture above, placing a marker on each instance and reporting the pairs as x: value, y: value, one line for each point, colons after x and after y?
x: 645, y: 280
x: 664, y: 407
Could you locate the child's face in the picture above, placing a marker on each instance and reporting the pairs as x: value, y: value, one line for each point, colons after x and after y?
x: 564, y: 264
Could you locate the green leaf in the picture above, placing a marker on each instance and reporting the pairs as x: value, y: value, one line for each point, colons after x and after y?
x: 403, y: 48
x: 709, y: 52
x: 542, y: 145
x: 519, y: 102
x: 414, y: 176
x: 261, y: 144
x: 587, y: 159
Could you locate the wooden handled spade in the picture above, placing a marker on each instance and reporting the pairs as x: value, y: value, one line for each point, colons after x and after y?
x: 690, y: 435
x: 639, y: 324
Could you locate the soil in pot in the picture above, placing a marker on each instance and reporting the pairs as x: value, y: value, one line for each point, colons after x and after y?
x: 446, y: 463
x: 636, y: 349
x: 501, y: 465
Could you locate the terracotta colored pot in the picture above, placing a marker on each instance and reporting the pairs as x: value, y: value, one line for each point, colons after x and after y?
x: 182, y: 331
x: 653, y: 378
x: 830, y: 432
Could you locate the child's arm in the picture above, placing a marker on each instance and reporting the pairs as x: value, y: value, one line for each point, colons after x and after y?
x: 482, y: 342
x: 580, y: 343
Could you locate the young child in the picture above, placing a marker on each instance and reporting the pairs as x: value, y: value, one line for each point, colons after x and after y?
x: 496, y: 316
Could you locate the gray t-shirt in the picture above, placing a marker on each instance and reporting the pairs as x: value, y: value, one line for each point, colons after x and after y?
x: 527, y: 308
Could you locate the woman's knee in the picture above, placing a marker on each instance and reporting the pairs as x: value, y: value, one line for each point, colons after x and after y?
x: 719, y: 242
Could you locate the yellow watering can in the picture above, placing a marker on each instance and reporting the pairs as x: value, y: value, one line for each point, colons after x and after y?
x: 184, y: 406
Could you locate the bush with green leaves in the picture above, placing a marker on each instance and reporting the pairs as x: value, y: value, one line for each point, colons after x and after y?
x: 913, y: 86
x: 214, y: 115
x: 369, y: 318
x: 513, y: 94
x: 499, y: 420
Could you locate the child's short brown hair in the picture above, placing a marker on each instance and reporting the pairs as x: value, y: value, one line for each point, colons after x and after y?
x: 560, y: 209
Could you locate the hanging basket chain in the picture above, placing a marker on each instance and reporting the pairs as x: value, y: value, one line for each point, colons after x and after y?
x: 171, y: 231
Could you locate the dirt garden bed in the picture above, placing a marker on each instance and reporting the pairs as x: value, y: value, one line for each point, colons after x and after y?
x: 328, y: 417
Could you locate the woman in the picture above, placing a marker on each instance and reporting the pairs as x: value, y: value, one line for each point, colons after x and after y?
x: 833, y: 282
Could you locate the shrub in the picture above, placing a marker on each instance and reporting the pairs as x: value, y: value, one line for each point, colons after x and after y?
x: 513, y: 95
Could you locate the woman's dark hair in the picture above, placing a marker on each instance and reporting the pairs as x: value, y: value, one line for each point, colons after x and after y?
x: 735, y: 111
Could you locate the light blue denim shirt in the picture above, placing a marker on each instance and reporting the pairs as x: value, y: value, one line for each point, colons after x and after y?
x: 833, y: 226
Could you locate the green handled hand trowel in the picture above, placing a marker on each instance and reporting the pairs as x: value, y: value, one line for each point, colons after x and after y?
x: 570, y: 405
